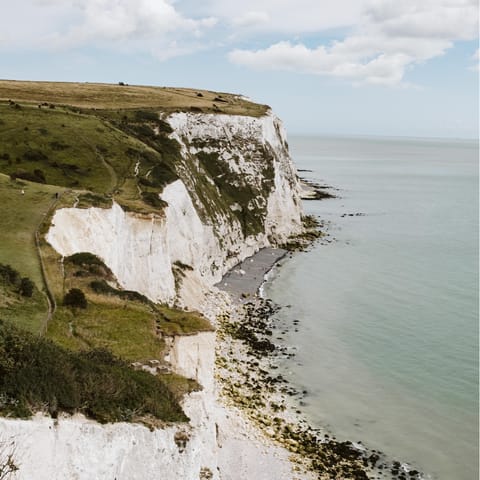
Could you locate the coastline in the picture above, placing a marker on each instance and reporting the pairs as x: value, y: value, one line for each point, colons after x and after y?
x: 246, y: 357
x: 244, y: 281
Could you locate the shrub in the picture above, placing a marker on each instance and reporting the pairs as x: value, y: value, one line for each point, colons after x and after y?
x: 164, y: 127
x: 84, y: 258
x: 9, y: 275
x: 75, y: 298
x: 39, y: 175
x: 162, y: 175
x: 35, y: 156
x: 102, y: 287
x: 58, y: 146
x: 26, y: 287
x: 144, y: 131
x: 153, y: 199
x: 36, y: 176
x: 146, y: 116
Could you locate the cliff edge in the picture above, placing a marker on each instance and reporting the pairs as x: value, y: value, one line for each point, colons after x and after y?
x: 152, y: 197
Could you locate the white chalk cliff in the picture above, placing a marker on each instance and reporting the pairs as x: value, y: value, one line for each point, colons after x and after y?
x: 207, y: 234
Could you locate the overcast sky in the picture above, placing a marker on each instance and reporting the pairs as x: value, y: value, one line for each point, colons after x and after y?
x: 368, y: 67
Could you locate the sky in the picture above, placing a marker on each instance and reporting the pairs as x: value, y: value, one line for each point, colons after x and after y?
x: 341, y: 67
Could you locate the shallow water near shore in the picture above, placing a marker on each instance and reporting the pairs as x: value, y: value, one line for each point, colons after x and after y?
x: 387, y: 339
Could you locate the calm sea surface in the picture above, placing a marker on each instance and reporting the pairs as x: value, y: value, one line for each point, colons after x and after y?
x: 387, y: 343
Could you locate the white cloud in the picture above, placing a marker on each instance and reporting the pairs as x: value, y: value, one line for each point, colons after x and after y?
x: 476, y: 59
x: 251, y: 19
x: 290, y: 17
x: 143, y: 24
x: 392, y: 36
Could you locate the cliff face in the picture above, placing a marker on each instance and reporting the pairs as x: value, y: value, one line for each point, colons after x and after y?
x: 81, y: 449
x: 237, y: 192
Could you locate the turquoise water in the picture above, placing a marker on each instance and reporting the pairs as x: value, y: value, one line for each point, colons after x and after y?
x: 387, y: 344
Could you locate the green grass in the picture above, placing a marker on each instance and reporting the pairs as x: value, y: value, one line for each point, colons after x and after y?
x: 21, y: 214
x: 179, y: 322
x: 178, y: 385
x: 124, y: 322
x: 36, y: 374
x: 72, y: 150
x: 26, y: 313
x: 108, y: 96
x: 89, y: 153
x: 125, y: 326
x: 127, y: 329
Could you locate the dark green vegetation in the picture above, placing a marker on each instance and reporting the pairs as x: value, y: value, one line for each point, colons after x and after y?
x: 75, y: 298
x: 242, y: 199
x: 36, y: 374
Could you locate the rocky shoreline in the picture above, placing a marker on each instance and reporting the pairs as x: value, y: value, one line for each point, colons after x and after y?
x: 246, y: 363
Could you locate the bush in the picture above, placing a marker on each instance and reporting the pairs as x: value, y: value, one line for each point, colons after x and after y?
x: 26, y: 287
x: 102, y: 287
x: 164, y: 127
x: 84, y: 258
x: 144, y: 131
x: 153, y: 199
x: 35, y: 156
x: 58, y: 146
x: 75, y: 298
x: 162, y: 175
x: 39, y: 175
x: 36, y: 176
x: 146, y: 116
x: 9, y: 275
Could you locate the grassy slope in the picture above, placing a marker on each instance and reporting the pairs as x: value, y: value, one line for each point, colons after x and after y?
x: 127, y: 324
x: 72, y: 150
x: 21, y: 215
x: 25, y: 313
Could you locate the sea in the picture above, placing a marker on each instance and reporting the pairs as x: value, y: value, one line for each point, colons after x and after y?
x: 386, y: 305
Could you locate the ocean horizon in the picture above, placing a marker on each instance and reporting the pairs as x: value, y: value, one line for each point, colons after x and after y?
x: 386, y: 305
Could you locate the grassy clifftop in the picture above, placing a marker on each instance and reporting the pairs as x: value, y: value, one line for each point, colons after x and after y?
x: 108, y: 96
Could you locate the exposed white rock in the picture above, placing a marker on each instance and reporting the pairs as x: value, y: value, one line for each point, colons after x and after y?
x: 142, y: 250
x: 218, y: 439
